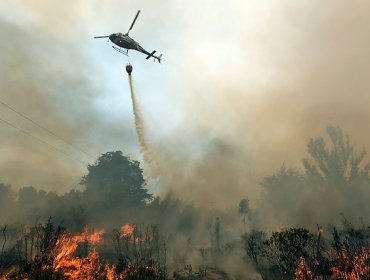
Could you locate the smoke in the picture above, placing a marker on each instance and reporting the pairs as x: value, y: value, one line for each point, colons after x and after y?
x: 242, y: 90
x: 250, y: 102
x: 46, y: 75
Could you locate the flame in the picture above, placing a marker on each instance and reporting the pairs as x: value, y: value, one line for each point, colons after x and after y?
x: 9, y: 274
x: 303, y: 272
x: 111, y: 272
x: 74, y: 267
x: 128, y: 230
x: 93, y: 238
x: 356, y: 268
x: 64, y: 262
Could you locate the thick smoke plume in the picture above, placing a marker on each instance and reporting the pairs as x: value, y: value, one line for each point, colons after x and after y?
x: 46, y: 74
x: 251, y: 103
x: 237, y: 100
x: 228, y: 114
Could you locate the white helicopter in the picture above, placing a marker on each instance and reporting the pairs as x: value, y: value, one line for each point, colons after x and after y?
x: 126, y: 42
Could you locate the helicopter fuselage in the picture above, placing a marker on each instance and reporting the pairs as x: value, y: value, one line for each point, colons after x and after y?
x: 126, y: 42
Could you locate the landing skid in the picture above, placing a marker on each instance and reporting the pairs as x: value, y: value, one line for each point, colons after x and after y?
x: 120, y: 50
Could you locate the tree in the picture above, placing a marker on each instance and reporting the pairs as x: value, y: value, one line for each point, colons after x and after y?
x: 7, y: 195
x: 117, y: 178
x: 254, y: 247
x: 285, y: 249
x: 283, y: 191
x: 337, y: 163
x: 244, y: 210
x: 335, y: 174
x: 7, y: 199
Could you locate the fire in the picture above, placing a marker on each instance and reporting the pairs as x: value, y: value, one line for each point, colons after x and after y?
x: 303, y: 272
x: 128, y: 230
x: 73, y: 267
x: 94, y: 237
x: 111, y: 272
x: 355, y: 268
x: 8, y: 274
x: 76, y: 257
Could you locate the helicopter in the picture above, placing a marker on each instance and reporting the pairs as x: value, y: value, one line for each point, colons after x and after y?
x: 124, y: 41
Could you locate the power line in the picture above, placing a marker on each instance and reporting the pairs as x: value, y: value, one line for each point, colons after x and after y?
x: 40, y: 140
x: 45, y: 129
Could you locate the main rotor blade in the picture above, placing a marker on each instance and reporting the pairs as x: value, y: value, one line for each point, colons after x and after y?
x: 132, y: 24
x: 97, y: 37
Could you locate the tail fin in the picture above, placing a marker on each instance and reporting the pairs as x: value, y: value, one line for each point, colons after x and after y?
x: 159, y: 58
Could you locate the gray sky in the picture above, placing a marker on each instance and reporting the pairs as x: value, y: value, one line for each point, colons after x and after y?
x: 243, y: 87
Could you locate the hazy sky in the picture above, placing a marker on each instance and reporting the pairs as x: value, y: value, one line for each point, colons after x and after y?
x: 242, y: 88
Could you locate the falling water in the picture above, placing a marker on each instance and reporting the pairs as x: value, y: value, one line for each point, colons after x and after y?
x: 139, y: 124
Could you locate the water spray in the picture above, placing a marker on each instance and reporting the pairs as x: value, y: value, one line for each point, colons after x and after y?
x: 139, y: 123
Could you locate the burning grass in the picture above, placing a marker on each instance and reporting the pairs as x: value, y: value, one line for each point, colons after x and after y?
x: 54, y: 253
x: 297, y: 254
x: 132, y: 253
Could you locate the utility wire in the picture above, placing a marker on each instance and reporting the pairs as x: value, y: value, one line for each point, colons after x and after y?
x: 45, y: 129
x: 40, y: 140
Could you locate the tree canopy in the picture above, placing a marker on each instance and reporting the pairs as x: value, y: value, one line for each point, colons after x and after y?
x: 334, y: 172
x: 118, y: 176
x: 337, y: 163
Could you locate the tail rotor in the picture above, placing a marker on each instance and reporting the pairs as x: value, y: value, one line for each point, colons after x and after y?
x: 159, y: 58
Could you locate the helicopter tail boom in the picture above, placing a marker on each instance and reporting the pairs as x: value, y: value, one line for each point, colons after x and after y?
x: 159, y: 57
x: 150, y: 55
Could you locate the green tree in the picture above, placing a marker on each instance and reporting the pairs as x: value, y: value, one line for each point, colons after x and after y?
x: 285, y: 248
x: 254, y: 247
x: 118, y: 179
